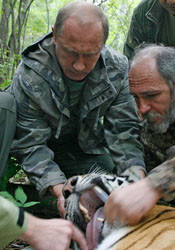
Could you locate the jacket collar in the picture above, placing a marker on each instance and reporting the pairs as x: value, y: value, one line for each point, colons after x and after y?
x: 156, y: 13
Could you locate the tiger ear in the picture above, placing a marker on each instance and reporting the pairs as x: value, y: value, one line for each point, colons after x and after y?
x: 133, y: 174
x: 120, y: 182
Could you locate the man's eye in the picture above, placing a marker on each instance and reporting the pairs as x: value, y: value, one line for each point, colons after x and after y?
x: 73, y: 54
x: 92, y: 55
x: 89, y: 55
x: 136, y: 97
x: 152, y: 95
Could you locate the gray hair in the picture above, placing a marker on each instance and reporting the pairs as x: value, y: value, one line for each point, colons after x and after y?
x: 165, y: 63
x: 164, y: 58
x: 71, y: 9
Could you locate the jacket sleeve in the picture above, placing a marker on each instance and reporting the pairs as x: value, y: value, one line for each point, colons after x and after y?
x: 32, y: 133
x: 8, y: 123
x: 136, y: 34
x: 163, y: 177
x: 122, y: 126
x: 13, y: 222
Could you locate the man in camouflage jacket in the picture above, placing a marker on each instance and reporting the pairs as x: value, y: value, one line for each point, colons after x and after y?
x: 50, y: 133
x: 152, y: 82
x: 152, y: 22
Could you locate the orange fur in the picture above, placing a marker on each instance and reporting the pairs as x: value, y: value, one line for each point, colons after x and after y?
x: 155, y: 232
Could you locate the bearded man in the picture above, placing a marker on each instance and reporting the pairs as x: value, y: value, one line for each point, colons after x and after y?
x: 152, y: 79
x: 152, y: 82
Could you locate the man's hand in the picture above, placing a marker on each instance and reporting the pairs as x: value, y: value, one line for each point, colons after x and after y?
x: 131, y: 203
x: 57, y: 192
x: 54, y: 234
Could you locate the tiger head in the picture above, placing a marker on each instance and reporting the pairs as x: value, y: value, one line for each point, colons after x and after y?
x: 85, y: 196
x: 84, y: 207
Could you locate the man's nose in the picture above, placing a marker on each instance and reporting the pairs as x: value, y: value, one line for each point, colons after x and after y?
x: 79, y: 64
x: 144, y: 107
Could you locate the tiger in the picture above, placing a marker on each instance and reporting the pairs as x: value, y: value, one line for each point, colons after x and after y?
x: 84, y: 207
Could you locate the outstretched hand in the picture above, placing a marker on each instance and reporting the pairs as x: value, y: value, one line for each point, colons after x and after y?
x: 131, y: 203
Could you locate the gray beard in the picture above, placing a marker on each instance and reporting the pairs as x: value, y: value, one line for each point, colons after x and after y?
x: 161, y: 128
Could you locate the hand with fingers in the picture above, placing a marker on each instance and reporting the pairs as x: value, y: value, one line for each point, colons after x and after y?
x: 57, y: 192
x: 55, y: 234
x: 131, y: 203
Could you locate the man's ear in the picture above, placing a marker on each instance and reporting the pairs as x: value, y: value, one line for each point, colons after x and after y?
x: 54, y: 37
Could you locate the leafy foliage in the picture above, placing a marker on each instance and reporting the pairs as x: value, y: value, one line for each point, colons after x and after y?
x: 19, y: 198
x: 118, y: 12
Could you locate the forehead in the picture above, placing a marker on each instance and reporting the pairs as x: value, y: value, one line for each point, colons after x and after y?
x: 80, y: 34
x: 144, y: 77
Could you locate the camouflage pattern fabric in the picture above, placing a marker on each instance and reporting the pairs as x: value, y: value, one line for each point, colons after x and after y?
x: 163, y: 177
x: 159, y: 148
x: 43, y: 113
x: 145, y: 26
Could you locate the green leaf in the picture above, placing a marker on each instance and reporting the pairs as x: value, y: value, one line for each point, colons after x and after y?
x: 31, y: 203
x: 20, y: 195
x: 8, y: 196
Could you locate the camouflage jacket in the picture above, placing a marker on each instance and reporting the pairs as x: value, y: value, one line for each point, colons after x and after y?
x: 145, y: 25
x: 163, y: 178
x: 159, y: 148
x: 43, y: 111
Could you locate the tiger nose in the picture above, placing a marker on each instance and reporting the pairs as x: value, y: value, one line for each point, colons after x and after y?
x: 74, y: 181
x: 69, y: 187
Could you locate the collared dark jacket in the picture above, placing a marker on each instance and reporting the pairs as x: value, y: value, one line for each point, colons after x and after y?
x: 43, y: 111
x: 145, y: 25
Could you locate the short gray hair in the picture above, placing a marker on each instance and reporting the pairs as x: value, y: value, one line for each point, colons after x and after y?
x: 164, y: 58
x: 69, y: 9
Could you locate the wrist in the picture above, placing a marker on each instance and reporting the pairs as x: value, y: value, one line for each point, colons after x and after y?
x: 56, y: 190
x: 29, y: 234
x: 156, y: 191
